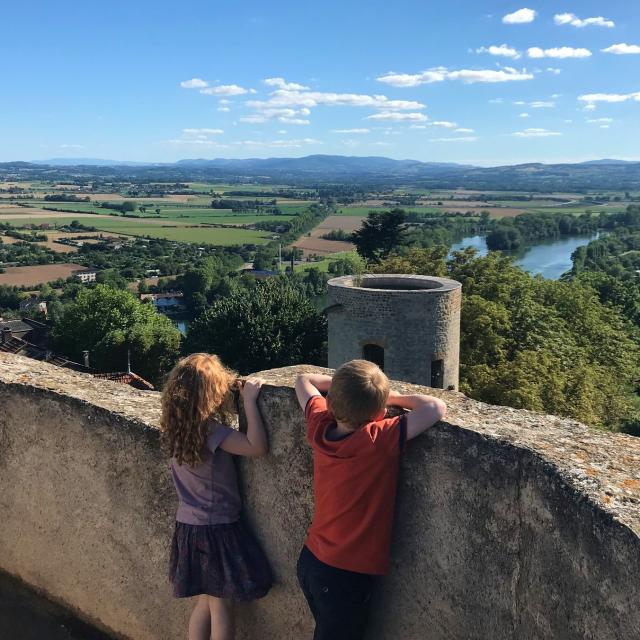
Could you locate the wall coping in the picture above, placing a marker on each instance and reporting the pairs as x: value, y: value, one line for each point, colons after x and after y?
x: 603, y: 468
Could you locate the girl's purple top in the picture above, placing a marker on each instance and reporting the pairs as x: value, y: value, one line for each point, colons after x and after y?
x: 208, y: 493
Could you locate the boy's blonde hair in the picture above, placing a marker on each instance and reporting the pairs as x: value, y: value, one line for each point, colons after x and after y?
x: 199, y: 388
x: 358, y: 394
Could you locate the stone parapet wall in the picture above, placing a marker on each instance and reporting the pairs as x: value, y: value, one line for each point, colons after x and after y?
x: 510, y: 524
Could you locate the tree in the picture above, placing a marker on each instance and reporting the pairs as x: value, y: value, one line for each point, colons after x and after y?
x: 128, y: 206
x: 538, y: 344
x: 107, y: 322
x: 274, y: 325
x: 379, y: 234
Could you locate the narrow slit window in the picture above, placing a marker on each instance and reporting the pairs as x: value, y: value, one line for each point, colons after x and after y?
x: 374, y: 353
x: 437, y: 374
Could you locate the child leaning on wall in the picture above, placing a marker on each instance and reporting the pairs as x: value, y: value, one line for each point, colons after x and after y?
x: 213, y: 554
x: 356, y: 453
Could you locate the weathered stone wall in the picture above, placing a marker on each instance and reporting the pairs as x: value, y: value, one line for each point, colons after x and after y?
x: 510, y: 524
x: 415, y: 319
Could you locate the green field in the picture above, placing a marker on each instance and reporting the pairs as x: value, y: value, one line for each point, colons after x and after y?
x: 129, y: 226
x: 323, y: 265
x: 177, y: 213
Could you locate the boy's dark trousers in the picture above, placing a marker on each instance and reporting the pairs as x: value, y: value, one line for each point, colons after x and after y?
x: 339, y: 600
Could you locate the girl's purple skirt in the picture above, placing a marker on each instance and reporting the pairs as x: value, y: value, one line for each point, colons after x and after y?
x: 220, y: 560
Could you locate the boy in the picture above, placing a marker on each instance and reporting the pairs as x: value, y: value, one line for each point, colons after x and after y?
x: 356, y: 454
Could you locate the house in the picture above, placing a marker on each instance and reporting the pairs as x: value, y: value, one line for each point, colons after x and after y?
x: 85, y: 276
x: 169, y: 302
x: 25, y: 329
x: 34, y: 303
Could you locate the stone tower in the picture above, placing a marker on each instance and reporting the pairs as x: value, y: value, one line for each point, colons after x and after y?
x: 407, y: 324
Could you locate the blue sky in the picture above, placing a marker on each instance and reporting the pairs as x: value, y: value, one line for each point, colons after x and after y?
x: 495, y: 82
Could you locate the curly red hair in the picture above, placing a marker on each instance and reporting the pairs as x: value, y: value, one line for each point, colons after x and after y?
x: 198, y: 389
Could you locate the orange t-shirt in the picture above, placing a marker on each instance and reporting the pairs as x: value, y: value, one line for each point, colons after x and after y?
x: 354, y: 489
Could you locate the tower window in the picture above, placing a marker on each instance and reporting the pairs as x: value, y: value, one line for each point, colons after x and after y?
x: 374, y: 353
x: 437, y: 374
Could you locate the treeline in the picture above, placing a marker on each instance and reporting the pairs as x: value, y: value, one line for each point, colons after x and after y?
x: 66, y: 197
x: 242, y: 206
x: 279, y: 193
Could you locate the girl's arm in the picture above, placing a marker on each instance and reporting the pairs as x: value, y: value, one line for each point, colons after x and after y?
x: 254, y: 442
x: 309, y: 385
x: 424, y: 411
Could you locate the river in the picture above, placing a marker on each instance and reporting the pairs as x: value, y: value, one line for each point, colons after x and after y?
x: 549, y: 259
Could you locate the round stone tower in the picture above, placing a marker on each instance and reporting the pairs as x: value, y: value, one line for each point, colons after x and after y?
x: 407, y: 324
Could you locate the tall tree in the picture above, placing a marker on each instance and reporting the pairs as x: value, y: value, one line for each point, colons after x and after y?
x: 108, y: 322
x: 379, y: 234
x: 273, y: 325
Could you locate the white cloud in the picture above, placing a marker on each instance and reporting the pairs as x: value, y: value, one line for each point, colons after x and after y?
x: 199, y: 141
x: 418, y: 126
x: 524, y: 115
x: 461, y: 130
x: 202, y: 132
x: 310, y: 99
x: 469, y: 76
x: 589, y: 107
x: 554, y: 70
x: 604, y: 126
x: 500, y: 50
x: 224, y: 109
x: 398, y: 117
x: 600, y: 120
x: 443, y: 123
x: 521, y: 16
x: 224, y: 90
x: 253, y: 119
x: 461, y: 139
x: 286, y: 120
x: 285, y: 115
x: 295, y: 143
x: 194, y: 83
x: 592, y: 98
x: 496, y: 101
x: 72, y: 146
x: 535, y: 133
x: 558, y: 52
x: 282, y: 132
x: 573, y: 20
x: 351, y: 130
x: 542, y: 104
x: 280, y: 83
x: 622, y: 49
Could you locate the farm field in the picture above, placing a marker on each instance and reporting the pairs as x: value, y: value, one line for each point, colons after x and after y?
x: 40, y: 274
x: 314, y: 244
x: 323, y: 265
x: 179, y: 232
x: 183, y: 215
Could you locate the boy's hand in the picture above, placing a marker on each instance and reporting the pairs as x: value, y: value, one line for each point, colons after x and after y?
x: 309, y: 385
x: 250, y: 389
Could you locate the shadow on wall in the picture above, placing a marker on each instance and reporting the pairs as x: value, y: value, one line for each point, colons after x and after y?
x: 510, y: 524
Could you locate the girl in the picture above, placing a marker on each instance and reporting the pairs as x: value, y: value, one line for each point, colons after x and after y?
x: 213, y: 555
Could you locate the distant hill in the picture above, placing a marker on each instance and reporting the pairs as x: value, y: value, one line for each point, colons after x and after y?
x: 88, y: 162
x: 610, y: 161
x: 374, y: 171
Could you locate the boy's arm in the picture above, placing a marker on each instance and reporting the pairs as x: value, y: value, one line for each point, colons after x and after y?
x: 424, y: 411
x: 309, y: 385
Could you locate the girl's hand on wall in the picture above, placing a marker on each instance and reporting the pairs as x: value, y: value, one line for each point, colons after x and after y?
x: 250, y: 389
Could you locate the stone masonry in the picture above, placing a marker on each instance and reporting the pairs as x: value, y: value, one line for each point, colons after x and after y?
x: 413, y: 320
x: 510, y: 525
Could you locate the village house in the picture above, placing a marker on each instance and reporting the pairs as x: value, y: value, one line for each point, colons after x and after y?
x: 169, y: 302
x: 85, y: 276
